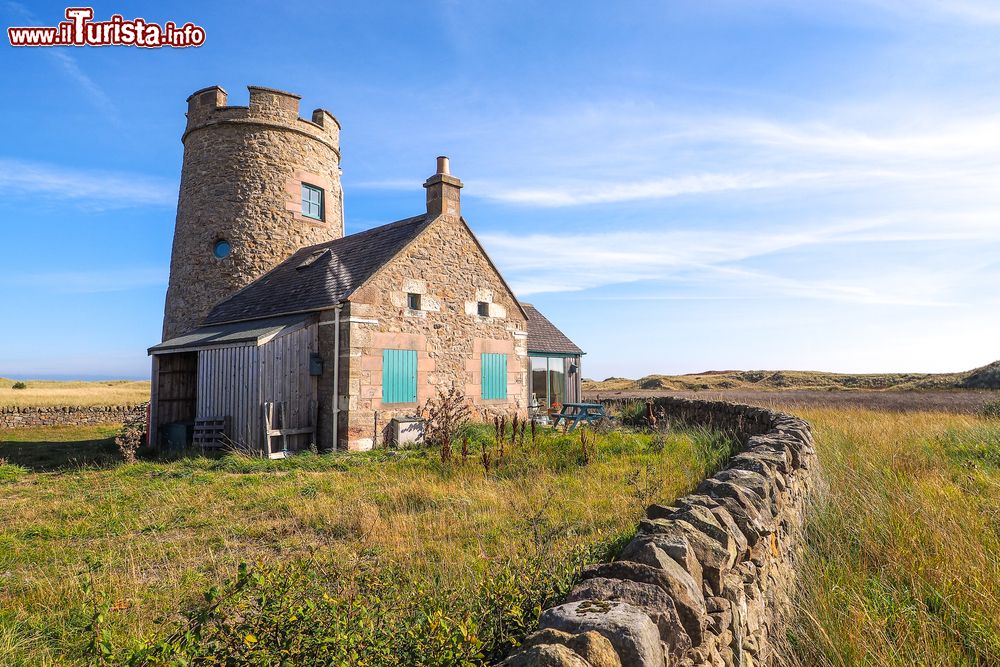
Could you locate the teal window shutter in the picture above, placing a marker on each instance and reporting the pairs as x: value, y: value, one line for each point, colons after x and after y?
x: 399, y: 376
x: 494, y: 377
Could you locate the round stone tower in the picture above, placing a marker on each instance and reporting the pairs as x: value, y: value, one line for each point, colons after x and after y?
x: 257, y: 184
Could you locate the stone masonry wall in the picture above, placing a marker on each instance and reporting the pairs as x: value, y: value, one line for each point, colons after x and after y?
x: 708, y: 580
x: 449, y: 272
x: 14, y: 417
x: 241, y: 182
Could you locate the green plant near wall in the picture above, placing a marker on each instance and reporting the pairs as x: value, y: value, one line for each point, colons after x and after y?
x: 365, y: 613
x: 990, y: 410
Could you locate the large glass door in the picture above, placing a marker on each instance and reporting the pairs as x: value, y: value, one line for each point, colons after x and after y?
x: 548, y: 383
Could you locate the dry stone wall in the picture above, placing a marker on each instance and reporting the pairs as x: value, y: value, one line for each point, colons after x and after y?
x: 15, y: 417
x: 708, y: 580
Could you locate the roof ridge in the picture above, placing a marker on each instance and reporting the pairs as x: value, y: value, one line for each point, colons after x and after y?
x: 395, y: 223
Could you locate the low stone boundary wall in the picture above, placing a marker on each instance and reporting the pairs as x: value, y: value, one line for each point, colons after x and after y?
x: 707, y: 580
x: 15, y: 417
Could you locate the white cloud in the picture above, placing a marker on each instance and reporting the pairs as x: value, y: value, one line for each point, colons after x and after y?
x: 87, y: 282
x: 98, y: 188
x: 716, y: 263
x: 611, y: 192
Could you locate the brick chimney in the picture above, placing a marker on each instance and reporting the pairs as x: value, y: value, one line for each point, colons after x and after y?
x: 443, y: 191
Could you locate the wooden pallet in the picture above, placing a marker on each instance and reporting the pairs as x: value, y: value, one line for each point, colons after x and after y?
x: 212, y: 433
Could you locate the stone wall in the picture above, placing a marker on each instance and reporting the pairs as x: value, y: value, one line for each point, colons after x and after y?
x: 707, y: 580
x: 446, y: 268
x: 241, y: 182
x: 14, y: 417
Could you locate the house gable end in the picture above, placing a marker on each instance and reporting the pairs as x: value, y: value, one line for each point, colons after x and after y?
x: 412, y: 251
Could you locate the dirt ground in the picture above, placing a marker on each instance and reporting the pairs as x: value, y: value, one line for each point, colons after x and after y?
x: 957, y: 401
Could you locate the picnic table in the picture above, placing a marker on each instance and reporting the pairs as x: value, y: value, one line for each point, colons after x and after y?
x: 574, y: 413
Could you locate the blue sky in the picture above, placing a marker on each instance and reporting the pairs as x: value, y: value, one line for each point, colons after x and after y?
x: 680, y: 186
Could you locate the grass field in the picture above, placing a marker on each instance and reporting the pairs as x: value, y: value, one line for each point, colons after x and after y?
x: 481, y: 552
x: 985, y: 377
x: 49, y: 393
x: 901, y: 566
x: 903, y: 561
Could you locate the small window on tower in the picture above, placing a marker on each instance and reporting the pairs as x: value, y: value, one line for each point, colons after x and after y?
x: 413, y: 301
x: 312, y: 202
x: 221, y: 249
x: 484, y: 309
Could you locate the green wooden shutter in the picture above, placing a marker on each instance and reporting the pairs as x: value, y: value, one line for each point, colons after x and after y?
x: 399, y: 376
x: 494, y: 377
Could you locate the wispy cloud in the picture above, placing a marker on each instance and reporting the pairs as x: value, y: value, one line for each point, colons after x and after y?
x: 87, y: 282
x: 605, y: 192
x: 975, y: 11
x: 100, y: 189
x: 719, y: 263
x: 63, y: 60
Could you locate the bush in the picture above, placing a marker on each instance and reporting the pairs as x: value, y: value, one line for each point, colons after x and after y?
x: 990, y: 410
x: 633, y: 413
x: 444, y: 414
x: 132, y: 435
x: 19, y: 385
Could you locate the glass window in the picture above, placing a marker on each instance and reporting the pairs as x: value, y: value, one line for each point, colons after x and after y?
x: 399, y: 376
x: 539, y: 382
x: 312, y: 201
x: 484, y: 309
x: 557, y: 383
x: 413, y: 301
x: 221, y: 249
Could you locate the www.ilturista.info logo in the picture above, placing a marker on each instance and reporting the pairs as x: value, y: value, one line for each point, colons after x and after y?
x: 81, y: 30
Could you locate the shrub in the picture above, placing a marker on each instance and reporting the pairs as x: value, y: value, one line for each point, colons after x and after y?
x: 132, y: 435
x: 990, y: 410
x: 444, y: 413
x: 633, y: 413
x: 19, y: 385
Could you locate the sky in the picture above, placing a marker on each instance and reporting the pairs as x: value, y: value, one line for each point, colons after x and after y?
x: 679, y: 186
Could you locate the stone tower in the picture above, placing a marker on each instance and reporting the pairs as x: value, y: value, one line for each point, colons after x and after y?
x: 257, y: 184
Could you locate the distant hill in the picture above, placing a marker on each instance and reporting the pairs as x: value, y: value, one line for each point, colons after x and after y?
x: 986, y: 377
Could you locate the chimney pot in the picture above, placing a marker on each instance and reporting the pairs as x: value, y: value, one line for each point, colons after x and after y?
x: 442, y: 165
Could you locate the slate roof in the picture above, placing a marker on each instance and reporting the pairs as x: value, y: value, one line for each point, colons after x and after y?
x: 543, y: 336
x: 313, y: 279
x: 257, y: 332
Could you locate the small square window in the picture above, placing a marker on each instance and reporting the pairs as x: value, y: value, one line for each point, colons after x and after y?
x: 312, y: 202
x: 413, y: 301
x: 484, y: 309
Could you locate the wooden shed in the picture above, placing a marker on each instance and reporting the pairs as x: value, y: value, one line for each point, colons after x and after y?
x: 250, y: 386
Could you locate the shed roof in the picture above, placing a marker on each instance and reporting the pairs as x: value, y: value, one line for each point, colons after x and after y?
x: 256, y: 332
x: 544, y: 337
x: 319, y: 276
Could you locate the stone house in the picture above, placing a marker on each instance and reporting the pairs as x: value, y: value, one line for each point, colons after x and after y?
x: 281, y: 333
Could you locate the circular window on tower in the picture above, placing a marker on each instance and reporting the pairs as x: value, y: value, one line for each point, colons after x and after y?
x: 221, y: 249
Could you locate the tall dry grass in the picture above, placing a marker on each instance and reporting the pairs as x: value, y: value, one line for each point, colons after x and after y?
x: 50, y: 393
x: 902, y: 565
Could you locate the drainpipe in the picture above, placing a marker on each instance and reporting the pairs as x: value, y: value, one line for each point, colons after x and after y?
x: 336, y: 372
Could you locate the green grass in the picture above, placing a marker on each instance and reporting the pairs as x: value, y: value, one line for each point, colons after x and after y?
x: 902, y: 565
x: 143, y: 542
